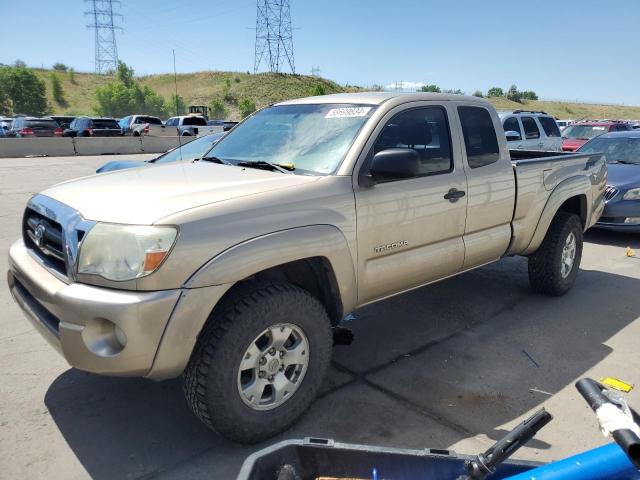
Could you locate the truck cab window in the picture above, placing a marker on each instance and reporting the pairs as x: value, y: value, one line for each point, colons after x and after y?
x: 424, y: 130
x: 531, y: 130
x: 480, y: 138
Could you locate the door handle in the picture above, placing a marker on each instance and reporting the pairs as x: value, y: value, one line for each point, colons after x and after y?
x: 541, y: 144
x: 454, y: 194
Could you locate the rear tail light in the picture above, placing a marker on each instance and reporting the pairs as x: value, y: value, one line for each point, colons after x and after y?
x: 88, y: 131
x: 26, y: 131
x: 58, y: 132
x: 145, y: 130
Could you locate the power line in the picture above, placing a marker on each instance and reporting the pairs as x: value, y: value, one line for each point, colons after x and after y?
x: 274, y: 37
x: 106, y: 50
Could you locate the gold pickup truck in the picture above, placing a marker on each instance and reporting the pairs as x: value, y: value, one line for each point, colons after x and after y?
x: 233, y: 270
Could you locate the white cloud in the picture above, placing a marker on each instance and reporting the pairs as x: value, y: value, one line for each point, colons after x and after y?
x: 404, y: 86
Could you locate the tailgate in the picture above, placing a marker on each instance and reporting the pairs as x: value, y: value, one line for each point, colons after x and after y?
x: 107, y: 132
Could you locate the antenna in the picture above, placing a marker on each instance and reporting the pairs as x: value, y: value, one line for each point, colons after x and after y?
x: 105, y: 38
x: 274, y: 37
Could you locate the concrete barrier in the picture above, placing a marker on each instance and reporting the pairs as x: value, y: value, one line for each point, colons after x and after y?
x: 162, y: 144
x: 107, y: 145
x: 23, y: 147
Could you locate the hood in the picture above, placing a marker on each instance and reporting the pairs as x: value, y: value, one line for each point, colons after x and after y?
x: 120, y: 165
x: 623, y: 176
x: 572, y: 143
x: 145, y: 195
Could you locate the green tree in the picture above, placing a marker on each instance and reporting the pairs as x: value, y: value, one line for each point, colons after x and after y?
x: 57, y: 91
x: 514, y: 95
x: 19, y: 64
x: 495, y: 92
x: 176, y: 106
x: 430, y: 88
x: 457, y: 91
x: 529, y: 95
x: 72, y: 76
x: 60, y: 67
x: 318, y: 90
x: 247, y: 107
x: 218, y: 110
x: 478, y: 93
x: 23, y: 91
x: 124, y: 96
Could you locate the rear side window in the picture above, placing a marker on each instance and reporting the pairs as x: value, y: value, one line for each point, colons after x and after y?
x: 42, y: 124
x: 480, y: 137
x: 511, y: 125
x: 197, y: 121
x: 97, y: 123
x: 549, y: 126
x: 152, y: 120
x: 530, y: 128
x: 424, y: 130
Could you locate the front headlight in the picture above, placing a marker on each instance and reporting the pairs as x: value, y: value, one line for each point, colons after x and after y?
x: 124, y: 252
x: 633, y: 194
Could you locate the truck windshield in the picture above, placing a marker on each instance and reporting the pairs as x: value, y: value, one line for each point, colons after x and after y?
x: 312, y: 138
x: 584, y: 132
x: 616, y: 149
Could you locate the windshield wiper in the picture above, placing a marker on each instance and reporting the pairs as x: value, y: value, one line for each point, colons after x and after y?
x: 215, y: 160
x: 626, y: 162
x: 262, y: 164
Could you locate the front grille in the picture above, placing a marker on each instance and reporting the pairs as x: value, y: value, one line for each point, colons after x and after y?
x: 610, y: 192
x: 44, y: 315
x: 44, y: 237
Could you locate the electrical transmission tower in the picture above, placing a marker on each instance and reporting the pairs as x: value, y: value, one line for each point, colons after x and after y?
x: 274, y: 39
x: 105, y: 37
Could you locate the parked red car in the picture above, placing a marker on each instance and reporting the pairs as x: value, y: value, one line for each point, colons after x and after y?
x: 579, y: 133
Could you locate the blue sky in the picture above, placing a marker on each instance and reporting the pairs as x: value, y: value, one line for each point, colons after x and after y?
x: 571, y: 50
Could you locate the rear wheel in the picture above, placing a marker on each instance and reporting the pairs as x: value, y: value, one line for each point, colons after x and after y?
x: 554, y: 266
x: 260, y: 361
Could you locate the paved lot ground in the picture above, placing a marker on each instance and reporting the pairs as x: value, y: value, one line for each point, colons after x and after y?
x: 452, y: 365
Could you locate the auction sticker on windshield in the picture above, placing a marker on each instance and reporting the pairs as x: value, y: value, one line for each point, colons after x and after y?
x: 348, y: 112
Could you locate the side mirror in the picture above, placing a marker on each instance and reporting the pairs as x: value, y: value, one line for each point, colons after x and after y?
x: 512, y: 136
x: 394, y: 164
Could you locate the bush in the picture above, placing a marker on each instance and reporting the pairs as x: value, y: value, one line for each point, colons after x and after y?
x: 72, y: 76
x: 22, y: 92
x: 478, y: 93
x: 514, y: 95
x: 457, y: 91
x: 430, y: 88
x: 218, y: 110
x: 247, y: 107
x: 60, y: 67
x: 318, y: 90
x: 176, y: 105
x: 529, y: 95
x: 495, y: 92
x: 56, y: 90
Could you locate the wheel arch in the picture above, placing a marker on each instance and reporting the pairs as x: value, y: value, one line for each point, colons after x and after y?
x: 571, y: 196
x: 316, y: 258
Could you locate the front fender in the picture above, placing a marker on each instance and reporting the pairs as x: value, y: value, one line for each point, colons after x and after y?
x: 571, y: 187
x: 277, y: 248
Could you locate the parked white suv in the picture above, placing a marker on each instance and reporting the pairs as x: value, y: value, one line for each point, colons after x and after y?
x: 531, y: 130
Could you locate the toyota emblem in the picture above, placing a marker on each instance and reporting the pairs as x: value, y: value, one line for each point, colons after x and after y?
x: 39, y: 234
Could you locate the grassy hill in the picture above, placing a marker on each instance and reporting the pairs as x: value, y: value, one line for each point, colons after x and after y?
x: 201, y: 87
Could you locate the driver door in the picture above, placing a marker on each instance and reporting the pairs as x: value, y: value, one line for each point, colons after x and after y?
x: 409, y: 231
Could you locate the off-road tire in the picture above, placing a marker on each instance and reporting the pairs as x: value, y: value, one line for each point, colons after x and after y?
x: 210, y: 379
x: 545, y: 274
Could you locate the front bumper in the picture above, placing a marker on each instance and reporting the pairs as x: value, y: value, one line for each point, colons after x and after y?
x: 113, y: 332
x: 615, y: 212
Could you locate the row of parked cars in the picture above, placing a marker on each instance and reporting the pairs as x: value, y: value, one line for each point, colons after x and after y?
x: 133, y: 125
x: 536, y: 130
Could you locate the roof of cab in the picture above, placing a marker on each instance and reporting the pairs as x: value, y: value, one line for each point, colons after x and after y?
x: 378, y: 98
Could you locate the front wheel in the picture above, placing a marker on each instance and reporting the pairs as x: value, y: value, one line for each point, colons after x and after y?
x: 260, y: 361
x: 554, y: 266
